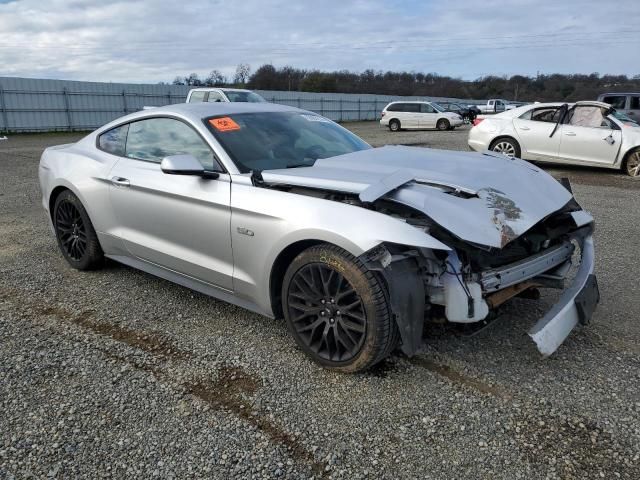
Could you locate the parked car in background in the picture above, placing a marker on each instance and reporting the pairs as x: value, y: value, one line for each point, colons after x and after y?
x: 583, y: 133
x: 285, y: 213
x: 467, y: 112
x: 417, y: 115
x: 495, y: 105
x: 627, y: 103
x: 213, y: 95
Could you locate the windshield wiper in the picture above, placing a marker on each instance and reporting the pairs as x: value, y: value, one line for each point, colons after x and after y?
x: 300, y: 165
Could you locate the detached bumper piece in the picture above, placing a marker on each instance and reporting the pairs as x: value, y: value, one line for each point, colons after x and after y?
x: 576, y: 305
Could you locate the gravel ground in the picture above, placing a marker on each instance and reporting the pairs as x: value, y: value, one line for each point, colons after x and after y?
x: 117, y: 374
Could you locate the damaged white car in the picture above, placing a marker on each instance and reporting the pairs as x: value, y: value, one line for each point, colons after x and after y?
x: 583, y: 133
x: 286, y: 213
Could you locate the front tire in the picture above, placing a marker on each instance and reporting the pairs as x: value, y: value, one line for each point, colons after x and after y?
x: 632, y: 164
x: 506, y: 146
x: 337, y: 310
x: 76, y: 236
x: 443, y: 124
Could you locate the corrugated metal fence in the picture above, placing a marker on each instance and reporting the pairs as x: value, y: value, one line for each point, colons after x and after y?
x: 33, y: 105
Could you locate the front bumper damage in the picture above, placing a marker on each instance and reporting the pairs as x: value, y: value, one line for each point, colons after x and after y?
x: 576, y: 305
x: 471, y: 302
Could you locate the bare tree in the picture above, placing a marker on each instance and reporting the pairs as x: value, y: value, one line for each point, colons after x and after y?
x: 243, y: 72
x: 215, y: 79
x: 193, y: 80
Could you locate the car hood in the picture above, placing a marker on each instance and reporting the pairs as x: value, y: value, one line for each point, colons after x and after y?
x: 487, y: 199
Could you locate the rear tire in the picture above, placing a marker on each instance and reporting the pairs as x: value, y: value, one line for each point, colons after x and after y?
x: 443, y: 124
x: 76, y: 236
x: 337, y: 310
x: 632, y: 163
x: 394, y: 125
x: 506, y: 146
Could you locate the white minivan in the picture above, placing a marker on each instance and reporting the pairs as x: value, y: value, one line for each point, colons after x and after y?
x: 417, y: 115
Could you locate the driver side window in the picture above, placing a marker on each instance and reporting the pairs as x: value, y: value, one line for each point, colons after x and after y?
x: 153, y: 139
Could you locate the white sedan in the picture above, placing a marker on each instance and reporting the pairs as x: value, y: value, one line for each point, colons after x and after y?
x: 582, y: 133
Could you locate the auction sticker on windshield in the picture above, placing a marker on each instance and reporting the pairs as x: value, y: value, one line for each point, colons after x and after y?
x: 224, y: 124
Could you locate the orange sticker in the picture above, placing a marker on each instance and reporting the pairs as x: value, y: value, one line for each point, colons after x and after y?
x: 224, y: 124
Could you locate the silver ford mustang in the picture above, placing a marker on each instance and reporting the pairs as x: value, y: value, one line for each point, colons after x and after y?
x: 286, y: 213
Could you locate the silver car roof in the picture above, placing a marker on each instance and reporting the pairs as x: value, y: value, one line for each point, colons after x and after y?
x: 195, y: 112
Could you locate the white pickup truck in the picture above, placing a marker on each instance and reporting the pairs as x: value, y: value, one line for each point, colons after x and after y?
x: 495, y: 105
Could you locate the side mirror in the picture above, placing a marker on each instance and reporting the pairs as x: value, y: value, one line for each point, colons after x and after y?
x: 185, y: 165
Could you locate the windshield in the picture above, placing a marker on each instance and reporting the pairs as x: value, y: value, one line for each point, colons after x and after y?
x: 437, y: 107
x: 273, y: 140
x: 250, y: 97
x: 630, y: 122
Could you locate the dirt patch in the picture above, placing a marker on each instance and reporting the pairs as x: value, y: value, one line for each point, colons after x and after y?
x: 381, y: 369
x: 232, y: 391
x: 148, y: 342
x: 459, y: 378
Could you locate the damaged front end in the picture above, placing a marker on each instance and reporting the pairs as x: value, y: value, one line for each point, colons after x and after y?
x: 508, y: 229
x: 468, y: 284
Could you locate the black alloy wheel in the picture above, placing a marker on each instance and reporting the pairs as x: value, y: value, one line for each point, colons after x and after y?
x: 337, y: 310
x: 326, y: 312
x: 74, y: 231
x: 71, y: 230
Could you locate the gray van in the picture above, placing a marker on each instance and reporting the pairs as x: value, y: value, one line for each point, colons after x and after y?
x: 628, y: 103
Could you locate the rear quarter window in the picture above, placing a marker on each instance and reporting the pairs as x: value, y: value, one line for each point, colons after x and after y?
x: 113, y: 141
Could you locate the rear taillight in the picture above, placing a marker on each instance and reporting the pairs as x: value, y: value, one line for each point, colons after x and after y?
x: 476, y: 121
x: 383, y: 114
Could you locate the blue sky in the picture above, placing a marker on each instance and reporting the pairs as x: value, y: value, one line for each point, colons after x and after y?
x: 155, y: 40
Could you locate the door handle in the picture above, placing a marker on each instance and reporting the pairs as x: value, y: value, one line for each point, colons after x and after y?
x: 120, y: 182
x: 570, y: 134
x: 525, y: 128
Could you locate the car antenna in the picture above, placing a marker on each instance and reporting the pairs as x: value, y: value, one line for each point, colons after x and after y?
x: 563, y: 113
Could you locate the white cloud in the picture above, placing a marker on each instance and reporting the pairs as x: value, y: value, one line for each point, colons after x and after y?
x: 150, y: 41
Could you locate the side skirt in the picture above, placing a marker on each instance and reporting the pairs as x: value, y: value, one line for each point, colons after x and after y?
x: 189, y: 282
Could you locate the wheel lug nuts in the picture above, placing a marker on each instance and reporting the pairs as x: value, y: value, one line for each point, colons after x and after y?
x: 323, y: 301
x: 338, y: 312
x: 322, y: 314
x: 333, y: 301
x: 332, y: 320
